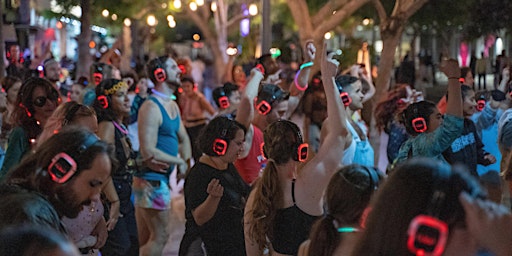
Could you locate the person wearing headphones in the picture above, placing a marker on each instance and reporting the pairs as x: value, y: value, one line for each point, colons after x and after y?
x: 161, y: 136
x: 428, y: 208
x: 432, y: 133
x: 227, y: 98
x: 286, y: 200
x: 66, y: 173
x: 346, y: 198
x: 215, y: 194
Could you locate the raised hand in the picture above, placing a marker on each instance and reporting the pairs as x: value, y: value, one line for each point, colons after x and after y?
x: 215, y: 189
x: 329, y: 65
x: 310, y: 50
x: 450, y: 67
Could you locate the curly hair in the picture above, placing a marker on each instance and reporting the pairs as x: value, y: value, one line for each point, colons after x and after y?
x: 388, y: 108
x: 278, y: 147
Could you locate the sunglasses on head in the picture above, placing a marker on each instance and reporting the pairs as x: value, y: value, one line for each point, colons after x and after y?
x: 41, y: 100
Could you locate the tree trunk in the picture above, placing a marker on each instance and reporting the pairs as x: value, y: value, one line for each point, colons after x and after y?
x: 84, y: 57
x: 2, y: 43
x: 390, y: 41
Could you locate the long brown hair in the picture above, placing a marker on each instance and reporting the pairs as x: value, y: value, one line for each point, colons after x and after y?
x: 279, y: 140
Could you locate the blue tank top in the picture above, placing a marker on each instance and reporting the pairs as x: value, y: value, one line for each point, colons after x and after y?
x: 291, y: 228
x: 167, y: 141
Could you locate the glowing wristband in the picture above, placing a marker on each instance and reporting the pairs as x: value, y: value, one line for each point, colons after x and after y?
x: 305, y: 65
x: 297, y: 85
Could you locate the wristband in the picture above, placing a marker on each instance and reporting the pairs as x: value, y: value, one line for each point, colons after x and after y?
x: 115, y: 201
x: 453, y: 78
x: 297, y: 85
x: 305, y: 65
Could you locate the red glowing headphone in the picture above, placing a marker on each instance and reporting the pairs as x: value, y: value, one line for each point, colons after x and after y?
x: 98, y: 77
x: 223, y: 99
x: 300, y: 147
x: 103, y: 100
x: 480, y: 103
x: 220, y: 145
x: 345, y: 98
x: 427, y: 233
x: 63, y: 165
x: 419, y: 124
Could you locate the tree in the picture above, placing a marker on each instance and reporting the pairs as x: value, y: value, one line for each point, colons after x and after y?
x: 84, y: 57
x: 391, y: 28
x: 214, y: 27
x: 327, y: 17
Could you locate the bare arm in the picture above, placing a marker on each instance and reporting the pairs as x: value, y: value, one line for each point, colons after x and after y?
x: 205, y: 105
x: 150, y: 119
x: 454, y: 103
x: 317, y: 173
x: 205, y: 211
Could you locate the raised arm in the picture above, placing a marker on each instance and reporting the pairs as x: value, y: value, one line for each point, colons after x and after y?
x: 454, y: 103
x: 317, y: 173
x: 245, y: 112
x: 300, y: 82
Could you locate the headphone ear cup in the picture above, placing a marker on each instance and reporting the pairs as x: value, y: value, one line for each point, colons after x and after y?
x: 427, y: 235
x: 223, y: 102
x: 419, y: 125
x: 263, y: 107
x: 220, y: 146
x: 160, y: 74
x: 346, y: 99
x: 103, y: 100
x: 62, y: 168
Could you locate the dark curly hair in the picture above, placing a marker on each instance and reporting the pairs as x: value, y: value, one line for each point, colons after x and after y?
x: 219, y: 127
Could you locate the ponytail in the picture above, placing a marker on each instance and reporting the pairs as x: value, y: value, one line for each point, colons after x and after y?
x: 324, y: 237
x: 267, y: 200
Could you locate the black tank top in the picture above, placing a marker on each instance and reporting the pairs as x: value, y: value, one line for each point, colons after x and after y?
x: 291, y: 228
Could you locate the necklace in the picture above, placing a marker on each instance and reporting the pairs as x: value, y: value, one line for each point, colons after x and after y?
x: 163, y: 95
x: 120, y: 128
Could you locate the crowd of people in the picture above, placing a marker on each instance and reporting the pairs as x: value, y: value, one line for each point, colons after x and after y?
x: 272, y: 165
